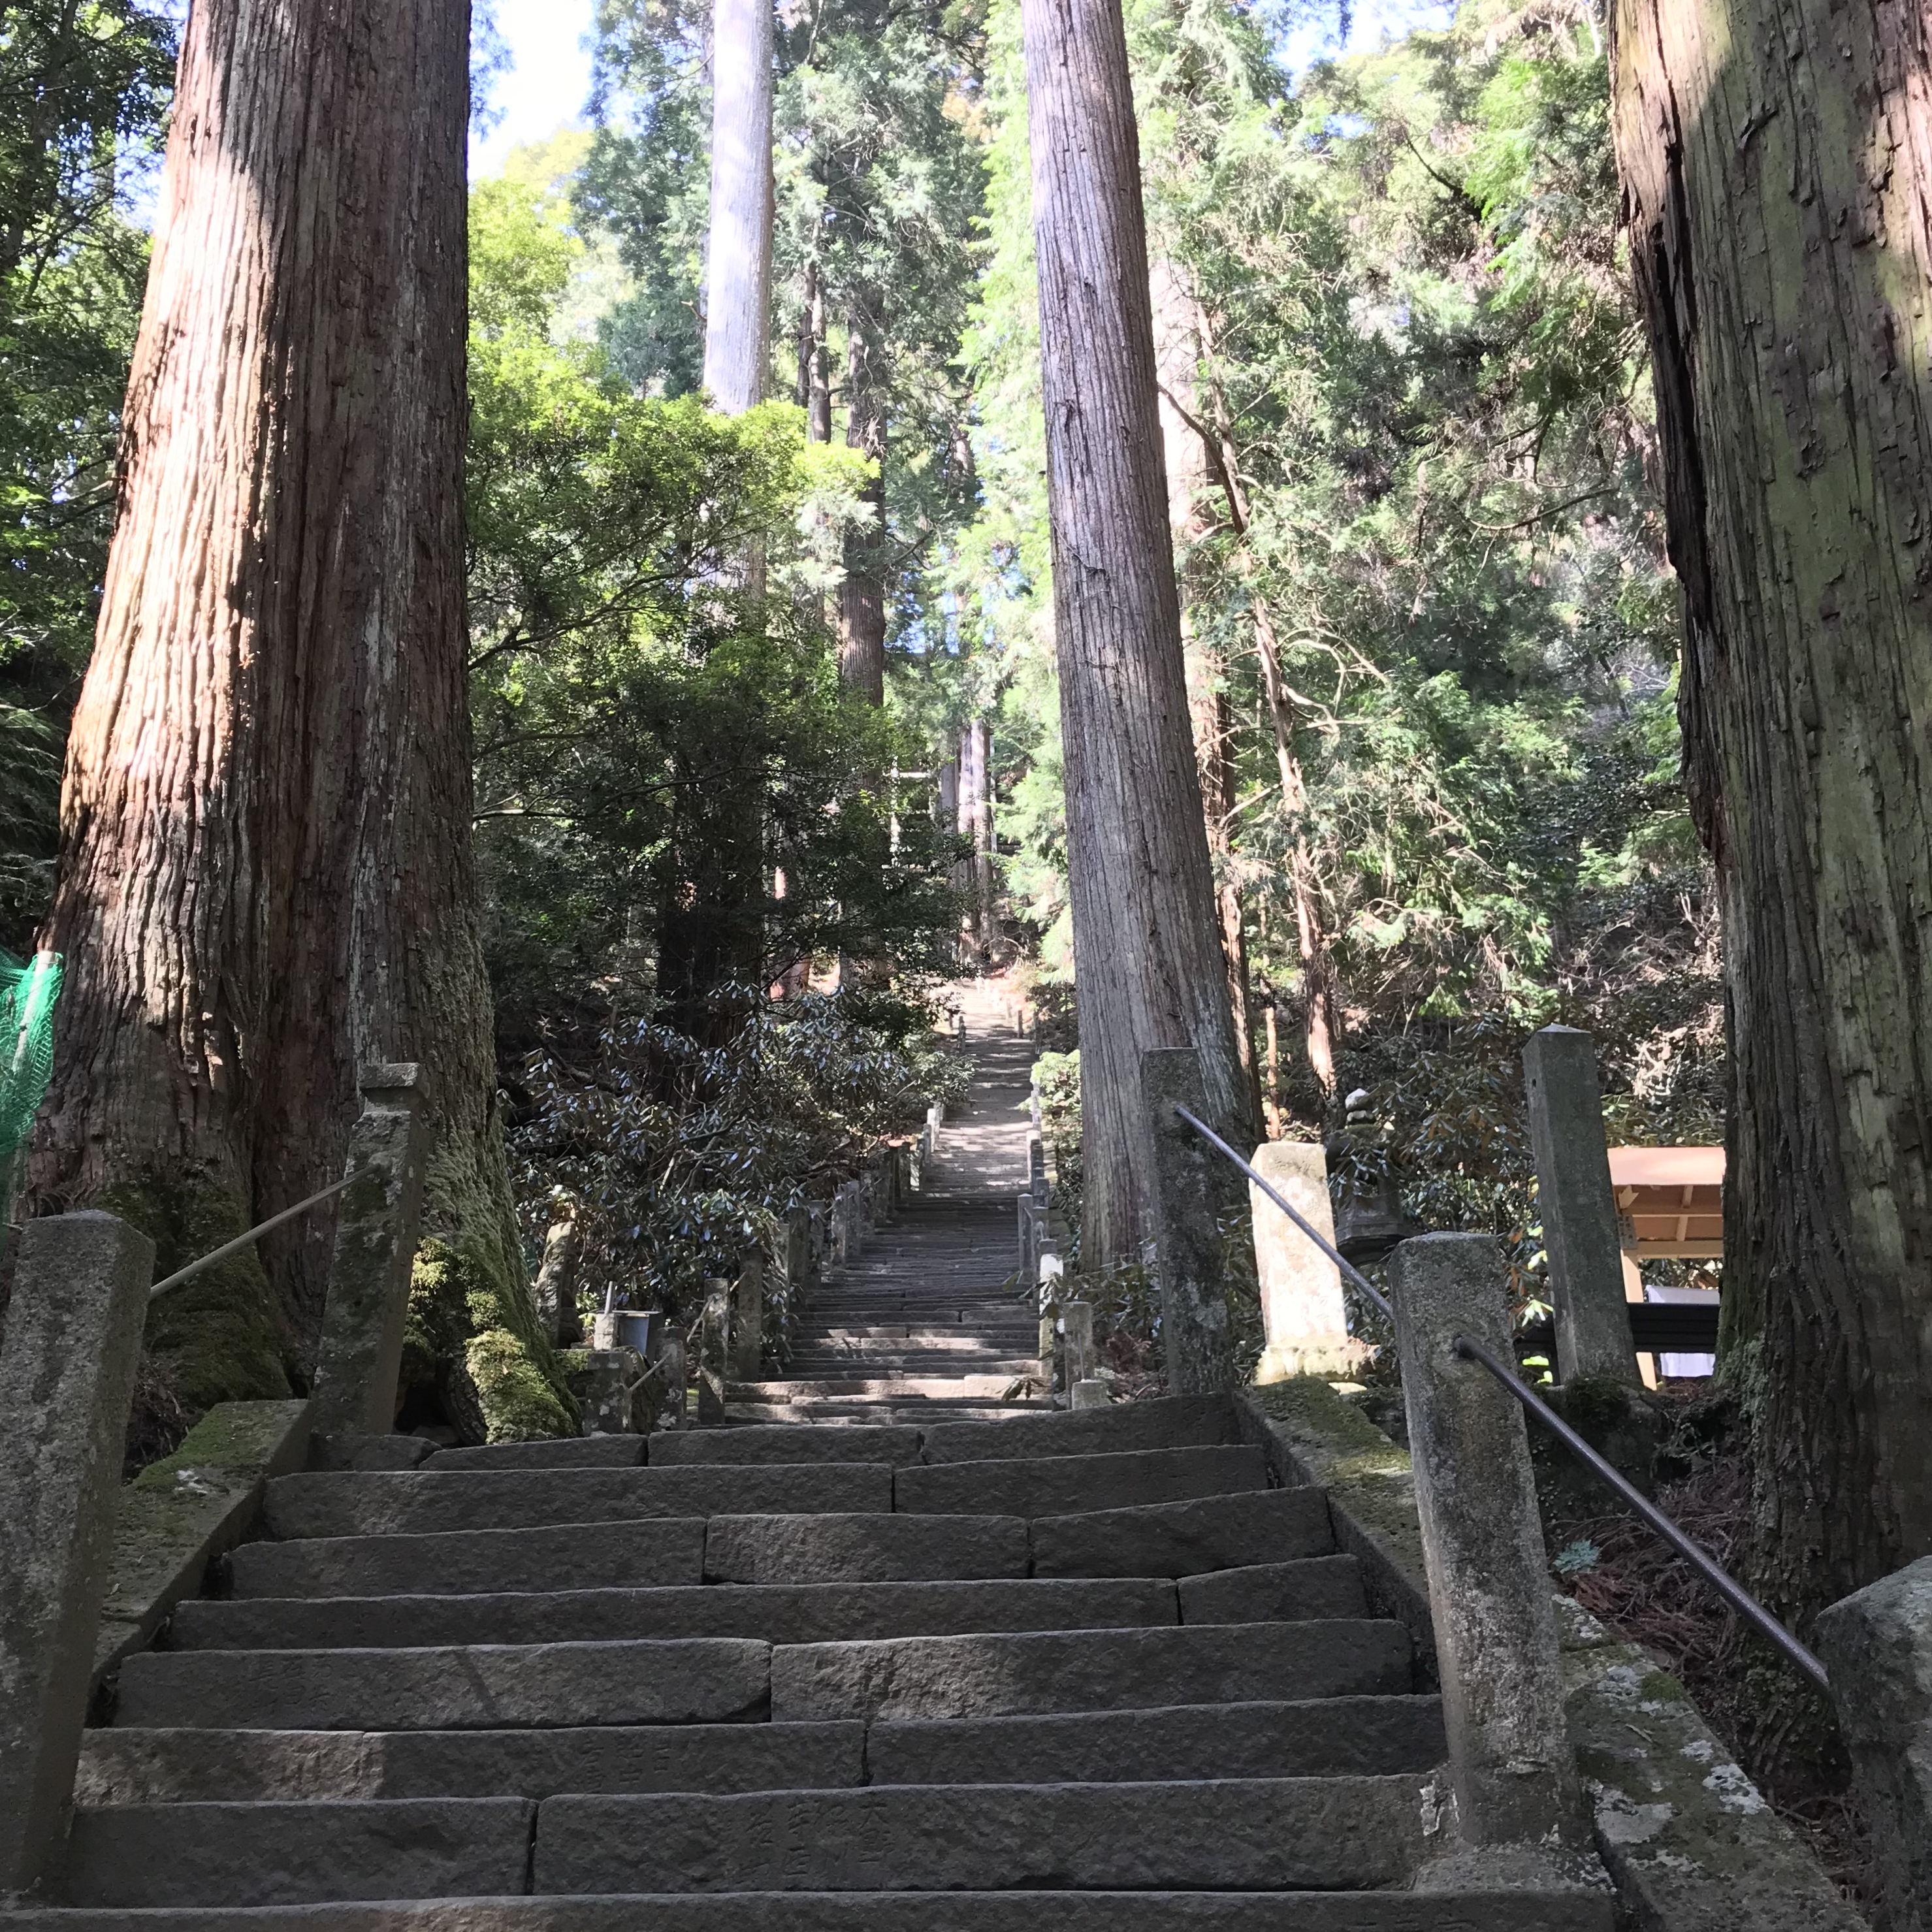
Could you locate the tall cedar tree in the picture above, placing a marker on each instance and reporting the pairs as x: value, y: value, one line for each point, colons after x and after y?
x: 1777, y: 172
x: 738, y: 271
x: 1145, y: 932
x: 265, y: 878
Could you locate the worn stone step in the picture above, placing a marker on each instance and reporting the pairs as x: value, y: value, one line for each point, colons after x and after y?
x: 568, y: 1452
x: 1166, y: 1422
x: 863, y: 1549
x: 267, y: 1854
x: 1050, y: 1485
x: 1227, y: 1532
x: 121, y: 1767
x: 917, y: 1364
x: 1367, y: 1736
x: 688, y: 1680
x: 954, y: 1339
x: 311, y: 1505
x: 634, y: 1555
x: 1346, y: 1833
x: 985, y: 1386
x: 783, y: 1442
x: 1520, y: 1910
x: 1308, y: 1586
x: 808, y: 1613
x: 997, y: 1675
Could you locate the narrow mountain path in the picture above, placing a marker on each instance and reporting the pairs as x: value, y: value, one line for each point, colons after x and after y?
x: 925, y: 1324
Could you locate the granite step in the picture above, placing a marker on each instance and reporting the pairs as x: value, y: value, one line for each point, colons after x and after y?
x: 424, y: 1501
x: 568, y: 1452
x: 481, y: 1686
x: 999, y: 1675
x: 784, y: 1443
x: 1184, y: 1539
x: 1165, y: 1422
x: 984, y: 1387
x: 1017, y: 1910
x: 809, y: 1613
x: 123, y: 1766
x: 1044, y: 1485
x: 1351, y: 1833
x: 874, y: 1548
x: 638, y: 1554
x: 1355, y: 1736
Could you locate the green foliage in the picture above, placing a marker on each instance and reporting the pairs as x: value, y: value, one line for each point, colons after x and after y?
x: 83, y: 97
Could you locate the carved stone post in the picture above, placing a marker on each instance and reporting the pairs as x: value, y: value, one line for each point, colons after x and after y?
x: 556, y: 1275
x: 1579, y: 1211
x: 1514, y: 1776
x: 713, y: 1352
x: 72, y: 1341
x: 1303, y: 1315
x: 376, y: 1222
x: 748, y: 1320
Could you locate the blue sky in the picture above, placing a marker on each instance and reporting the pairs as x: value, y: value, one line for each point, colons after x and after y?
x: 547, y: 86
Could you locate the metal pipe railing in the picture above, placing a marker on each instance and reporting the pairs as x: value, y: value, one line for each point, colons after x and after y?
x: 1539, y: 1412
x: 227, y: 1248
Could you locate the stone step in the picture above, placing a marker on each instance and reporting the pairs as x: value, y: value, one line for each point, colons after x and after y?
x: 684, y: 1681
x: 863, y: 1549
x: 269, y: 1854
x: 1356, y: 1736
x: 636, y: 1555
x: 1227, y: 1532
x: 999, y: 1675
x: 920, y: 1364
x: 1462, y: 1910
x: 983, y: 1387
x: 1264, y: 1593
x: 1167, y: 1422
x: 120, y: 1766
x: 782, y: 1443
x: 1346, y: 1833
x: 817, y: 1335
x: 568, y: 1452
x: 1049, y: 1485
x: 809, y: 1613
x: 879, y: 1410
x: 315, y: 1505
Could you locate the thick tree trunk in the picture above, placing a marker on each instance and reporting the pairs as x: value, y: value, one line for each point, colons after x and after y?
x: 862, y: 596
x: 266, y: 872
x: 975, y: 821
x: 738, y: 263
x: 1177, y: 342
x: 1776, y: 162
x: 814, y: 375
x: 1146, y: 941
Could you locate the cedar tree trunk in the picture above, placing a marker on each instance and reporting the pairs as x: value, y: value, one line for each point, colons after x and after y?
x: 862, y: 596
x: 738, y: 267
x: 1776, y: 162
x: 1147, y: 941
x: 265, y: 871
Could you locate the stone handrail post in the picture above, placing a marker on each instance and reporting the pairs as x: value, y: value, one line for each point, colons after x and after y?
x: 1877, y: 1644
x: 377, y: 1222
x: 1304, y: 1316
x: 72, y: 1344
x: 1514, y: 1776
x: 747, y: 1320
x: 713, y: 1352
x: 556, y: 1275
x: 673, y: 1376
x: 1188, y: 1183
x: 1578, y: 1206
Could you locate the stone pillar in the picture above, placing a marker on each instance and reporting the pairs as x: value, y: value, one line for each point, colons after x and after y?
x: 713, y: 1352
x: 1303, y: 1314
x: 72, y: 1341
x: 556, y: 1275
x: 748, y: 1320
x: 1187, y: 1243
x: 1077, y: 1321
x: 673, y: 1376
x: 376, y: 1221
x: 1579, y: 1211
x: 1877, y: 1644
x: 1514, y: 1776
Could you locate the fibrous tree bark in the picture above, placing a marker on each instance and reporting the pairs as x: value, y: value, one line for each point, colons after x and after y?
x: 1177, y: 343
x: 1776, y: 162
x: 974, y: 794
x: 265, y: 874
x: 1147, y: 943
x: 815, y: 375
x: 738, y: 259
x: 862, y: 595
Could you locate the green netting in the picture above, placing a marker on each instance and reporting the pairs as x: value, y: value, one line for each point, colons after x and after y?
x: 28, y: 988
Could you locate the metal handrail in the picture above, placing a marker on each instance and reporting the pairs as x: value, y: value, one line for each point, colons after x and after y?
x: 1701, y: 1560
x: 240, y: 1241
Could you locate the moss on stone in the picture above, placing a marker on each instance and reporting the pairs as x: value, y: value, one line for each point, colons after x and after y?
x: 1596, y: 1402
x: 220, y: 1334
x: 237, y: 1435
x: 1332, y: 1438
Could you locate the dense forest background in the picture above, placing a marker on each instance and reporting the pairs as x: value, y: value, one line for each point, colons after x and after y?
x: 1431, y: 633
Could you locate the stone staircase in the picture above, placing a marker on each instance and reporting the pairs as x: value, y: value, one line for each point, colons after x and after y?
x: 1069, y: 1673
